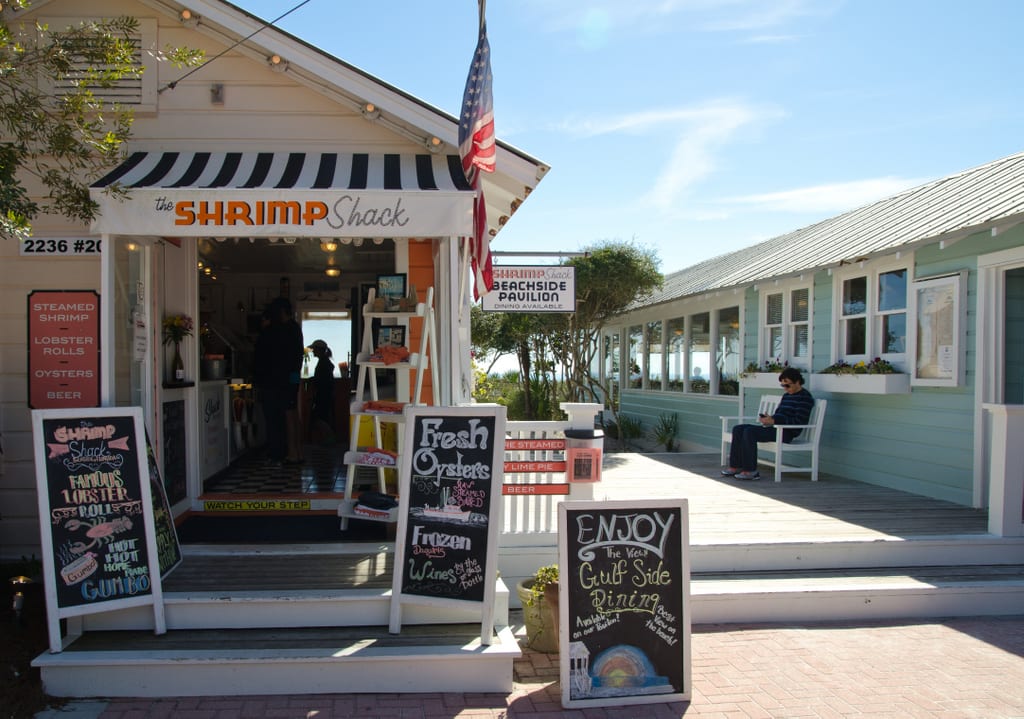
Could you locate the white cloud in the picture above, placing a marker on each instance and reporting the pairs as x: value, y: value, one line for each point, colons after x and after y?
x: 689, y: 139
x: 833, y: 197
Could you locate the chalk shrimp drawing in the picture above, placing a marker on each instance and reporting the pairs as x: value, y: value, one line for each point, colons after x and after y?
x: 101, y: 533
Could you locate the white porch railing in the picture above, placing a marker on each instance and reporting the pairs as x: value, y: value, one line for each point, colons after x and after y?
x: 1005, y: 427
x: 535, y: 515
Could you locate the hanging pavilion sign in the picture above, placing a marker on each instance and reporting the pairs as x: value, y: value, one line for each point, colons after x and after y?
x: 532, y: 289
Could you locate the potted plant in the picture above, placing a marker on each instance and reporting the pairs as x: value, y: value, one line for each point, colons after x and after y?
x: 539, y: 596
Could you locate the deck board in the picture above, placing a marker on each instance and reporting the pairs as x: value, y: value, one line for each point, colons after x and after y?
x: 724, y: 510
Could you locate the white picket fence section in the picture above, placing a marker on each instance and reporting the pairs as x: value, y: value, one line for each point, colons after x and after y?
x: 536, y: 515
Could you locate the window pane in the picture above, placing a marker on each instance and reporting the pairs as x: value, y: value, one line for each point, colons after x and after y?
x: 728, y: 355
x: 654, y: 354
x: 892, y: 290
x: 774, y: 343
x: 773, y: 310
x: 676, y: 354
x: 800, y: 309
x: 894, y: 333
x: 700, y: 352
x: 800, y: 345
x: 856, y: 337
x: 611, y: 368
x: 636, y: 337
x: 855, y: 296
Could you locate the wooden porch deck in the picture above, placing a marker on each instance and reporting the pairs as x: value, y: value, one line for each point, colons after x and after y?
x: 724, y: 510
x: 724, y: 513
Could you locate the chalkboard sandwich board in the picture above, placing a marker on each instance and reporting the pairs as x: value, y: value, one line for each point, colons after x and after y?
x: 450, y: 474
x: 624, y: 614
x: 100, y: 549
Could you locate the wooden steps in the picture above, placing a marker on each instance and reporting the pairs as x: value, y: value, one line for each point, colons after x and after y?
x: 212, y: 662
x: 857, y: 594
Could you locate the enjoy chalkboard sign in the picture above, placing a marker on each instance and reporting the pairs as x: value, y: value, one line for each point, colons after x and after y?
x: 96, y: 512
x: 451, y: 478
x: 624, y: 610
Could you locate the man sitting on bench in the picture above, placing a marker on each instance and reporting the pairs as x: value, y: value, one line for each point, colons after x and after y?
x: 794, y: 408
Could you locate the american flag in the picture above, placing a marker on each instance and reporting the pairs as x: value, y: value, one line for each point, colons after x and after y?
x: 476, y: 147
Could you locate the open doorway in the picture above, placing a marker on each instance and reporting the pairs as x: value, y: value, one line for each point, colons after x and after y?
x: 238, y: 278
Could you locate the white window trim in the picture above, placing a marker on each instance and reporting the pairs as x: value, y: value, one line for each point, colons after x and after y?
x: 685, y: 312
x: 871, y: 270
x: 786, y: 289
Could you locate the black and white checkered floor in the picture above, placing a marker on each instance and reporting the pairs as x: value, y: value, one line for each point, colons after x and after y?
x: 322, y: 471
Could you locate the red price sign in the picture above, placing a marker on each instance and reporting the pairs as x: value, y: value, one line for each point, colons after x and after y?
x: 63, y: 349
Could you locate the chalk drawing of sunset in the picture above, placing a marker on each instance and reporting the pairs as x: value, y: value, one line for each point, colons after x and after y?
x: 622, y: 670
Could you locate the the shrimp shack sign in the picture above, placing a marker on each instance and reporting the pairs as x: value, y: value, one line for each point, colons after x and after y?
x: 100, y: 549
x: 311, y: 213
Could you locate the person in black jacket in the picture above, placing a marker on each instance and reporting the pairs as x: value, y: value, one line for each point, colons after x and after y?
x: 794, y: 408
x: 278, y: 362
x: 323, y: 392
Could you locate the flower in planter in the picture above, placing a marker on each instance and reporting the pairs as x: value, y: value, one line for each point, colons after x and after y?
x: 176, y: 328
x: 875, y: 366
x: 775, y: 365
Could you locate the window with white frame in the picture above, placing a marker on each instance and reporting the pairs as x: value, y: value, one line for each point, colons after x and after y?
x: 786, y: 325
x: 872, y: 314
x: 611, y: 362
x: 635, y: 337
x: 655, y: 355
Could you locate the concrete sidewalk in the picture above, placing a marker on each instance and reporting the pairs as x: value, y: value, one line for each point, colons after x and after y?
x: 957, y: 668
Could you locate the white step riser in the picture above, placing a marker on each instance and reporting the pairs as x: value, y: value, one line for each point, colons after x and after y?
x: 406, y: 670
x: 215, y: 611
x: 845, y: 605
x: 848, y: 555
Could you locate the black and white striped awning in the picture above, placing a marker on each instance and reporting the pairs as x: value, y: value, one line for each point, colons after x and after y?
x: 242, y: 194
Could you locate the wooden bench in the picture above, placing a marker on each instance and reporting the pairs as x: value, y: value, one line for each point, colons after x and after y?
x: 806, y: 442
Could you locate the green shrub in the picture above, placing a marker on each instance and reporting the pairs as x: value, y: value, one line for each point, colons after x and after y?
x: 664, y: 432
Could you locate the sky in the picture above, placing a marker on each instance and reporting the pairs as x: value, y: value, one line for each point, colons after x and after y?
x: 699, y: 127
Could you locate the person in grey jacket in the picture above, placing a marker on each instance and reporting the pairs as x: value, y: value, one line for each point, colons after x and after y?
x: 794, y: 408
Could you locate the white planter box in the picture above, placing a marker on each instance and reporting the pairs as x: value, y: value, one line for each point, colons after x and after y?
x: 896, y: 383
x: 760, y: 380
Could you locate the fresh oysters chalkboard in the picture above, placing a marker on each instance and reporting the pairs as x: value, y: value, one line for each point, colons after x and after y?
x: 624, y: 610
x: 451, y: 466
x: 96, y: 513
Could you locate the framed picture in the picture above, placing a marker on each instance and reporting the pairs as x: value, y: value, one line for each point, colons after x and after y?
x: 936, y: 331
x: 391, y: 288
x: 392, y: 335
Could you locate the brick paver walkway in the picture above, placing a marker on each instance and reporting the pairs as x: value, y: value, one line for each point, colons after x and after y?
x: 956, y: 668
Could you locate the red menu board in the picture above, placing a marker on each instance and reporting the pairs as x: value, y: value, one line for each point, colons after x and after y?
x: 63, y: 349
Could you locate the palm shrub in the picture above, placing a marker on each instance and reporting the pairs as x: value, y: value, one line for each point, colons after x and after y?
x: 664, y: 432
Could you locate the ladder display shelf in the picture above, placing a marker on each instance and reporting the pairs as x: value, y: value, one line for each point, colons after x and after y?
x: 385, y: 412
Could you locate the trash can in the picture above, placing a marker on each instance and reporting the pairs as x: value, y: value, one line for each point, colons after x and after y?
x: 584, y: 450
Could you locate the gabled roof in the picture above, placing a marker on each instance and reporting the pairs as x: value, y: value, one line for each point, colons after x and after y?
x: 989, y: 196
x: 505, y: 189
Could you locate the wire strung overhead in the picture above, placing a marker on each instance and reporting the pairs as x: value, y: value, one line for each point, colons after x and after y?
x: 174, y: 84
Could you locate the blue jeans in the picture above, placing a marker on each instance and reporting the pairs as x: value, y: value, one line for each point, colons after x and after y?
x: 743, y: 450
